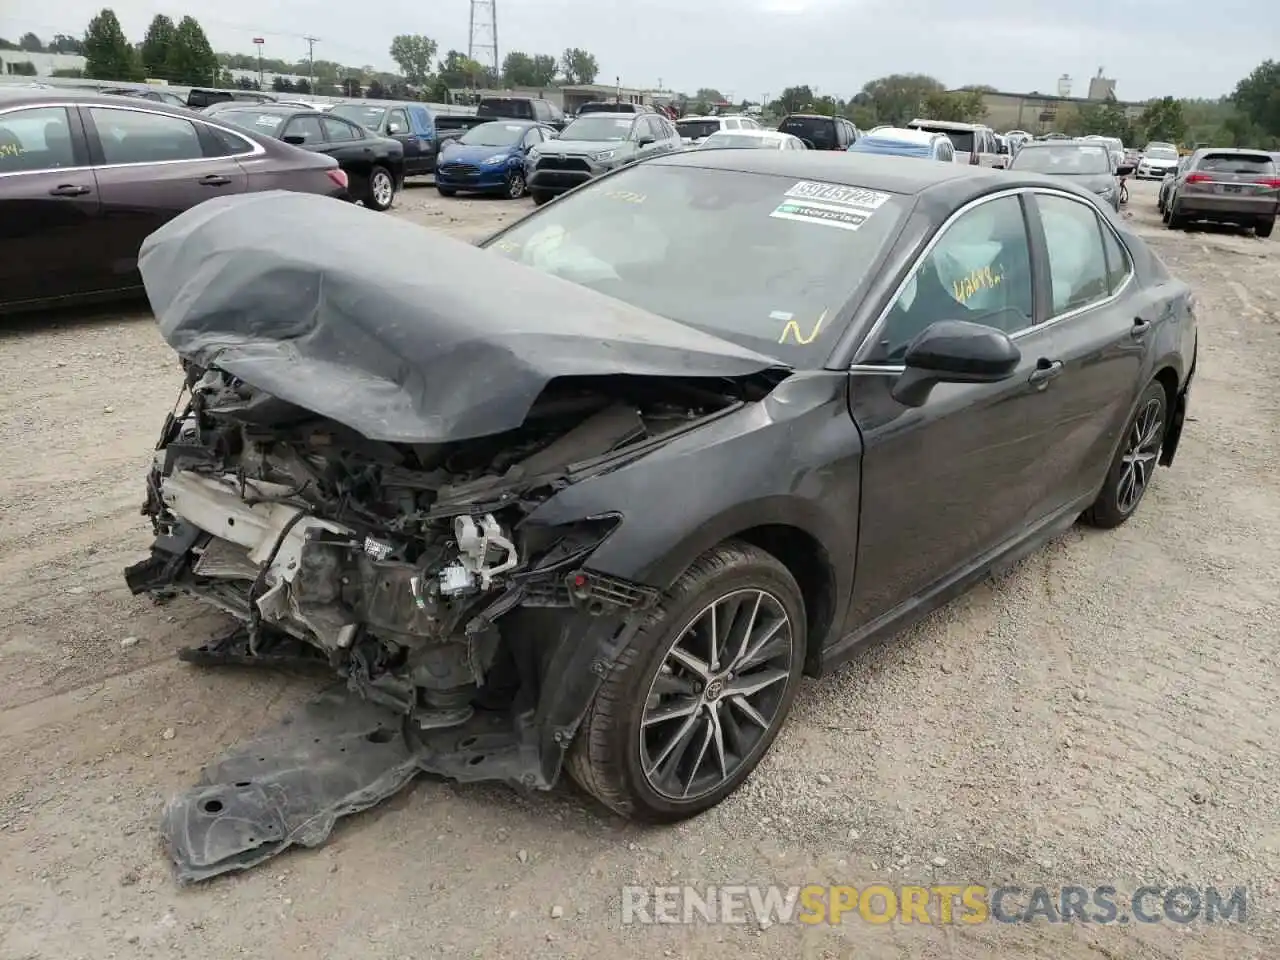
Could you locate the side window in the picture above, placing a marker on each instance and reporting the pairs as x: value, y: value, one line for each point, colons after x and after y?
x: 308, y: 128
x: 131, y: 136
x: 398, y: 121
x: 1077, y: 261
x: 731, y: 123
x: 35, y: 139
x: 532, y: 136
x: 842, y: 135
x: 556, y: 113
x: 421, y: 120
x: 224, y: 143
x: 337, y: 131
x: 1118, y: 263
x: 979, y: 270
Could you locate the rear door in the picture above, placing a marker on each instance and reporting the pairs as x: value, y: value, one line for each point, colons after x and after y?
x: 1103, y: 324
x: 422, y: 125
x: 150, y: 167
x: 50, y: 224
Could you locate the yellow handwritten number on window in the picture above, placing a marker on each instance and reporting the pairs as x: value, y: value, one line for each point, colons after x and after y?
x: 983, y: 279
x: 792, y: 331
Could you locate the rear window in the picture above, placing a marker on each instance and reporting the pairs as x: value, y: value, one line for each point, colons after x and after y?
x: 962, y: 140
x: 697, y: 129
x: 506, y: 108
x: 607, y: 108
x: 1254, y: 164
x: 819, y: 131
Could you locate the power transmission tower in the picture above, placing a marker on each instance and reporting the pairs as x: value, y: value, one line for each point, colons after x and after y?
x: 483, y: 45
x: 311, y: 60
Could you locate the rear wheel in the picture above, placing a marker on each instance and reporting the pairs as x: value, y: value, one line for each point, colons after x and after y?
x: 1173, y: 219
x: 1263, y: 228
x: 699, y: 694
x: 382, y: 189
x: 1135, y: 462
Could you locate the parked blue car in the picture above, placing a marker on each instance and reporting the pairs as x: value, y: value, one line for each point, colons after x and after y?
x: 901, y: 142
x: 489, y: 158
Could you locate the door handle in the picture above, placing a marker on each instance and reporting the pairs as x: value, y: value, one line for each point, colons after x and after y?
x: 1139, y: 328
x: 214, y: 180
x: 1045, y: 371
x: 68, y: 190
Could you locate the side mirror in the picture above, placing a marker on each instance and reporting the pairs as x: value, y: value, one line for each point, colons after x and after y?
x: 294, y: 138
x: 645, y: 142
x: 808, y: 144
x: 394, y: 128
x: 954, y: 351
x: 1124, y: 170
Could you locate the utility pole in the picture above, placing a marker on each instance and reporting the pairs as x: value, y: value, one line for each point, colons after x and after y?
x: 258, y: 42
x: 311, y: 60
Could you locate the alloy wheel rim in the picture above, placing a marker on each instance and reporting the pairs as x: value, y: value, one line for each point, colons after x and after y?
x: 717, y: 694
x: 1139, y: 458
x: 516, y: 188
x: 382, y: 188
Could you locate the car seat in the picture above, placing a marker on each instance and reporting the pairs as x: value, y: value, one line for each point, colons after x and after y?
x: 57, y: 145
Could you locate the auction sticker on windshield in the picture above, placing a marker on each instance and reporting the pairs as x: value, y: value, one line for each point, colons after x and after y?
x: 838, y: 194
x: 830, y: 215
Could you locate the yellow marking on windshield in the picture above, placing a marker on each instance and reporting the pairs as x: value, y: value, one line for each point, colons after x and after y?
x: 977, y: 280
x: 792, y: 331
x: 11, y: 150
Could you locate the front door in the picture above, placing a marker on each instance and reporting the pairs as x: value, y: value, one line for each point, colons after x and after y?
x: 49, y: 209
x: 150, y: 168
x: 946, y: 484
x: 415, y: 155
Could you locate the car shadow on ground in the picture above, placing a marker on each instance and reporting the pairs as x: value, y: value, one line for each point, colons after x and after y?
x: 49, y: 319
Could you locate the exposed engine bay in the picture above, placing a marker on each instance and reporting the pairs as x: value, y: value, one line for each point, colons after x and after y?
x: 396, y: 562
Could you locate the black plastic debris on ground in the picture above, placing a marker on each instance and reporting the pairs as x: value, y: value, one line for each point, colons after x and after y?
x: 338, y: 755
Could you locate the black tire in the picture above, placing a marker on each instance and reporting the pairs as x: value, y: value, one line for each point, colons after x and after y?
x: 382, y: 189
x: 516, y: 187
x: 1173, y: 220
x: 446, y: 191
x: 1263, y: 228
x: 1115, y: 504
x: 539, y: 197
x: 605, y: 758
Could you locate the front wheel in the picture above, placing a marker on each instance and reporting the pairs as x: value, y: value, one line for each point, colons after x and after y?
x: 382, y: 189
x: 515, y: 185
x: 698, y: 695
x: 1135, y: 462
x: 1263, y: 228
x: 446, y: 191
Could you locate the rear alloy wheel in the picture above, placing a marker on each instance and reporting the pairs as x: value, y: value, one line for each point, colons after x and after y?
x: 699, y: 694
x: 515, y: 185
x: 1131, y: 471
x: 382, y: 189
x: 1263, y: 228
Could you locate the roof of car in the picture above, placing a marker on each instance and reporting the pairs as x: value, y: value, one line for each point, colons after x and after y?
x: 595, y: 114
x: 749, y: 132
x: 948, y: 124
x: 283, y: 109
x: 1234, y: 151
x: 903, y: 135
x: 846, y: 169
x: 25, y: 96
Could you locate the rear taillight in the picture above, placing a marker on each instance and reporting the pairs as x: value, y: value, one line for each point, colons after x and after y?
x: 1199, y: 178
x: 339, y: 177
x: 1273, y: 183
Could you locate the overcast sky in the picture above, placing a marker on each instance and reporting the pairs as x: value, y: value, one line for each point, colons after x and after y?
x: 1173, y: 47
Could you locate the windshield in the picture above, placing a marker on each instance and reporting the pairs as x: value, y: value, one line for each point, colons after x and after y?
x: 819, y: 131
x: 764, y: 261
x: 962, y: 140
x: 1252, y: 164
x: 890, y: 147
x: 1162, y: 153
x: 253, y: 120
x: 597, y: 128
x: 725, y: 139
x: 697, y: 129
x: 510, y: 107
x: 370, y: 117
x: 1070, y: 161
x: 493, y: 135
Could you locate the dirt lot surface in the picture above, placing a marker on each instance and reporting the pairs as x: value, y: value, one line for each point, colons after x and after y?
x: 1104, y: 714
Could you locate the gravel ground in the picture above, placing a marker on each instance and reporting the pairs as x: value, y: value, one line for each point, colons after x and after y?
x: 1103, y: 714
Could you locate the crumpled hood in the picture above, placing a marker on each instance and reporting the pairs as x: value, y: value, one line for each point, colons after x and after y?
x: 397, y: 331
x: 581, y: 148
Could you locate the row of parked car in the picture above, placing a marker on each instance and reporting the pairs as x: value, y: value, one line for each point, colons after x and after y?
x: 1217, y: 185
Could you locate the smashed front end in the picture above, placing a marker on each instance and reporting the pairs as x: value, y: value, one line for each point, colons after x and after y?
x: 354, y: 474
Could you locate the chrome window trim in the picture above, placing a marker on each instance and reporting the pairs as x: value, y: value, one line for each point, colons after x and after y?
x: 869, y: 337
x: 257, y: 150
x: 859, y: 366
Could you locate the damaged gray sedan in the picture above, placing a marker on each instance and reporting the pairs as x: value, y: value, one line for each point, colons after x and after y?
x: 593, y: 496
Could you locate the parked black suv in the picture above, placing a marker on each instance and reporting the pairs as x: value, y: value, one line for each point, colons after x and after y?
x: 822, y: 133
x: 521, y: 108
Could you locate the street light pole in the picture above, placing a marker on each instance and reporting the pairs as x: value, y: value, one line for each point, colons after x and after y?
x: 258, y: 42
x: 311, y: 60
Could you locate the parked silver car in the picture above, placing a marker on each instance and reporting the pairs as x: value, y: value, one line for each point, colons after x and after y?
x: 1225, y: 185
x: 596, y: 144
